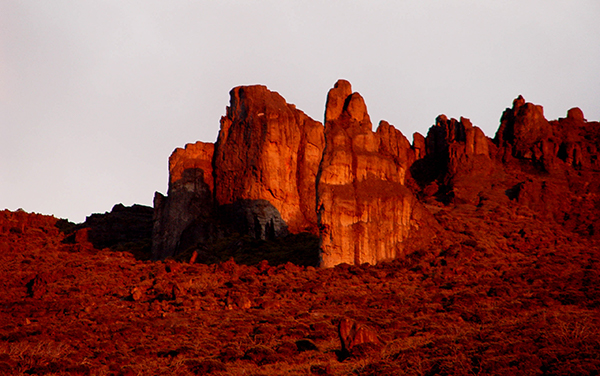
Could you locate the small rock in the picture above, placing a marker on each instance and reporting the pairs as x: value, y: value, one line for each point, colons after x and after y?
x: 38, y: 286
x: 287, y: 349
x: 177, y: 291
x: 261, y: 355
x: 243, y: 302
x: 263, y: 266
x: 354, y: 336
x: 230, y: 353
x: 194, y: 257
x: 306, y: 345
x: 136, y: 294
x: 270, y: 304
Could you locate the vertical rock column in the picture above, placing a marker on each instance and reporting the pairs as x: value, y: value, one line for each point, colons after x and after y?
x: 365, y: 211
x: 189, y: 202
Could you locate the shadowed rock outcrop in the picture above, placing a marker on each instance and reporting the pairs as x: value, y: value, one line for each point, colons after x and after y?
x: 456, y: 163
x: 123, y: 224
x: 186, y: 215
x: 257, y: 218
x: 124, y: 228
x: 524, y: 131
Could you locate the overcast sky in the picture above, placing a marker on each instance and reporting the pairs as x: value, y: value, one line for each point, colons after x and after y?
x: 95, y: 95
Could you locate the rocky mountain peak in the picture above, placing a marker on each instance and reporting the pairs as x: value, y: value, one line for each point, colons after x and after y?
x: 365, y: 212
x: 342, y: 102
x: 275, y: 171
x: 522, y: 128
x: 268, y: 150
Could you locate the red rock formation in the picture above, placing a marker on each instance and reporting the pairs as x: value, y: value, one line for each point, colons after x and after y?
x: 269, y: 150
x: 195, y: 156
x: 274, y: 169
x: 186, y: 215
x: 37, y: 228
x: 565, y: 154
x: 265, y: 164
x: 525, y: 133
x: 458, y: 153
x: 577, y: 141
x: 354, y: 335
x: 365, y: 211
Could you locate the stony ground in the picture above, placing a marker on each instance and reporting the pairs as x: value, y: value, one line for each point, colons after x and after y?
x: 502, y: 294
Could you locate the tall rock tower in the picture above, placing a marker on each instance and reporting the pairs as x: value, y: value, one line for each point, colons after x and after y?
x: 365, y: 211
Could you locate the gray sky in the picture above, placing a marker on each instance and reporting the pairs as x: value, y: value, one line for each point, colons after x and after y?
x: 95, y: 95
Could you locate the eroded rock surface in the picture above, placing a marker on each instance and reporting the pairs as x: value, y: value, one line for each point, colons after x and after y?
x: 186, y: 215
x: 523, y: 130
x: 457, y: 159
x: 365, y: 211
x: 357, y: 339
x: 123, y: 224
x: 257, y: 179
x: 269, y: 150
x: 556, y: 164
x: 275, y: 171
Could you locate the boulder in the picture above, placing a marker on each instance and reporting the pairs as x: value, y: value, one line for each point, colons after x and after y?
x: 355, y: 338
x: 38, y: 286
x: 458, y: 158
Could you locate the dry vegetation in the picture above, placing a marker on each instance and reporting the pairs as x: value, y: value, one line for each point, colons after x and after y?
x: 502, y: 294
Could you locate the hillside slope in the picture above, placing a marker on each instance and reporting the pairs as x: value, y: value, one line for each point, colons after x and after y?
x: 502, y: 293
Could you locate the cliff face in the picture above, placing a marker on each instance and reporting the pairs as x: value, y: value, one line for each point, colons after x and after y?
x: 457, y: 161
x: 370, y: 196
x: 570, y: 142
x: 365, y: 211
x: 268, y: 150
x: 186, y: 215
x: 556, y: 165
x: 257, y: 179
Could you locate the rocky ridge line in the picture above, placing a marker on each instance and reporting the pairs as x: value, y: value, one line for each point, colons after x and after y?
x: 369, y: 196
